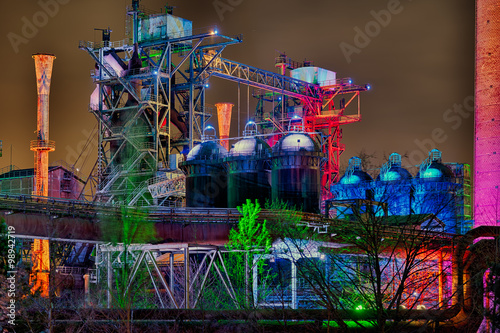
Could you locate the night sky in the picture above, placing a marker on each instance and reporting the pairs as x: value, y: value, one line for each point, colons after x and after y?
x: 419, y: 61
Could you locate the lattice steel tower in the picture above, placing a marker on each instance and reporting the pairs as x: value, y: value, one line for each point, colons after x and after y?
x: 146, y: 83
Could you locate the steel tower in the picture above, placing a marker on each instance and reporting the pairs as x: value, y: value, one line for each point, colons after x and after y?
x: 149, y: 99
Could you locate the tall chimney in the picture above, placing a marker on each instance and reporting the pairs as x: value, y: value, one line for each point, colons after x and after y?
x: 487, y: 115
x: 224, y: 117
x: 42, y: 145
x: 39, y: 277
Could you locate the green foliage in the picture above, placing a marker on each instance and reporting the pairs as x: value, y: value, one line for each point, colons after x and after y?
x: 249, y: 234
x: 129, y: 226
x: 248, y: 243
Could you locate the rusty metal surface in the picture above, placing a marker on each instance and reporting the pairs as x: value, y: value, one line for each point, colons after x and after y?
x: 79, y: 220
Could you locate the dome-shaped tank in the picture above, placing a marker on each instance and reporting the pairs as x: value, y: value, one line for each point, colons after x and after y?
x: 393, y: 171
x: 354, y: 174
x: 355, y: 178
x: 206, y: 180
x: 394, y: 186
x: 433, y: 170
x: 296, y: 142
x: 436, y: 172
x: 354, y: 184
x: 207, y: 150
x: 434, y: 192
x: 295, y: 179
x: 249, y: 172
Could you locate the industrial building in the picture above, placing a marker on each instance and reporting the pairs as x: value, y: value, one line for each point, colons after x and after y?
x: 442, y: 189
x: 63, y: 182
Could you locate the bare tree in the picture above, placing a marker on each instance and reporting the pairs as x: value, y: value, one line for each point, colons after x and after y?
x: 370, y: 265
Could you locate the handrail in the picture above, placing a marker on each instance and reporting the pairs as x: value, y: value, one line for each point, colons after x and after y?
x: 260, y: 78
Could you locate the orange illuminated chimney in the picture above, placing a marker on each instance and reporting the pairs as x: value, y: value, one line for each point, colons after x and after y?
x: 224, y: 117
x: 42, y: 146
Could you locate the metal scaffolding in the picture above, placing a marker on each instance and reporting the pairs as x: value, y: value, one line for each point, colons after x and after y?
x: 144, y: 85
x: 148, y: 258
x: 157, y: 78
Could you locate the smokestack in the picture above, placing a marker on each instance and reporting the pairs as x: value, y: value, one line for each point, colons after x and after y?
x: 39, y: 277
x: 224, y: 117
x: 487, y: 115
x: 42, y: 145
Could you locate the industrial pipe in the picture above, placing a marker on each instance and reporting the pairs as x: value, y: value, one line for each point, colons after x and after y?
x: 224, y: 117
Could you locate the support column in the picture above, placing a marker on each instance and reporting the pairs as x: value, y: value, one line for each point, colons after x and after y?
x: 171, y: 271
x: 186, y: 277
x: 441, y: 280
x: 255, y: 283
x: 294, y: 284
x: 109, y: 277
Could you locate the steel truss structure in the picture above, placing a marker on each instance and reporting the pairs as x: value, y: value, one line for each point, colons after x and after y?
x: 141, y: 91
x: 324, y: 107
x: 63, y: 254
x: 168, y: 294
x: 144, y: 86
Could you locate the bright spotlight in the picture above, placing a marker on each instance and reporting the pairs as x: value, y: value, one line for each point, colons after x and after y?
x: 368, y: 87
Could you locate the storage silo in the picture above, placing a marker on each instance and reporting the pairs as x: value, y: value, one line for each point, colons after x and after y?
x: 206, y: 180
x: 249, y: 170
x: 295, y: 176
x: 435, y: 192
x: 354, y: 184
x: 394, y: 186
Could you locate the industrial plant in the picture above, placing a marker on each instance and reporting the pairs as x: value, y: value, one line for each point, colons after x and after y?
x: 160, y: 221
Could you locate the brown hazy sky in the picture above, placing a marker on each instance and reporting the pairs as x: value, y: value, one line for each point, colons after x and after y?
x: 420, y: 65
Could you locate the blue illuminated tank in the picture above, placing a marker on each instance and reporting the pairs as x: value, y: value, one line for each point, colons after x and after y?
x: 354, y: 184
x: 393, y: 186
x: 435, y: 192
x: 438, y: 191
